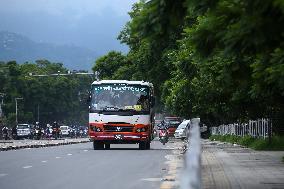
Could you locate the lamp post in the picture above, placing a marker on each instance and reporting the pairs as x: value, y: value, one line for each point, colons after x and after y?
x: 1, y: 103
x: 16, y: 99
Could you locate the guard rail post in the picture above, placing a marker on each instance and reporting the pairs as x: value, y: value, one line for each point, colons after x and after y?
x: 191, y: 177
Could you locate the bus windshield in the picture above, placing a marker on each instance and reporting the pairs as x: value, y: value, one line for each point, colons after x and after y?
x: 120, y: 97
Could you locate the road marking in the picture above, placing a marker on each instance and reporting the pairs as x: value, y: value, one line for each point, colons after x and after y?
x: 57, y: 157
x: 3, y: 175
x: 69, y: 154
x: 86, y: 150
x: 152, y: 179
x: 27, y: 167
x: 44, y: 161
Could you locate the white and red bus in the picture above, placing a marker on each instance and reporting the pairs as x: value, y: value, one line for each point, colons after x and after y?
x: 121, y: 112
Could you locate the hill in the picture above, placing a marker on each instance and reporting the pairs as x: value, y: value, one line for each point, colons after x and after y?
x: 22, y: 49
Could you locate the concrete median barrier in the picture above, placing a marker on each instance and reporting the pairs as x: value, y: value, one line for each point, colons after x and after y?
x: 16, y: 144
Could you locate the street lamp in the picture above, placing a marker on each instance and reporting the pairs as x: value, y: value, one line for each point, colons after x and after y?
x: 1, y: 103
x: 16, y: 99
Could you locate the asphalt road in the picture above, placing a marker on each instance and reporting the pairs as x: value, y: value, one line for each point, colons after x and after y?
x: 79, y: 166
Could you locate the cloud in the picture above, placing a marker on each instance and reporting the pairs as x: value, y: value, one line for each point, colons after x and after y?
x: 94, y: 24
x: 61, y: 7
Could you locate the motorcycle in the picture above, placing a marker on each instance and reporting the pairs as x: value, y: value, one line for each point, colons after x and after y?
x: 5, y: 136
x: 37, y: 134
x: 163, y: 136
x: 55, y: 133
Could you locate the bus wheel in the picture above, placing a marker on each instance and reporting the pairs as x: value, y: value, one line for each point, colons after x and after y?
x: 107, y: 146
x: 148, y: 145
x: 142, y: 145
x: 98, y: 145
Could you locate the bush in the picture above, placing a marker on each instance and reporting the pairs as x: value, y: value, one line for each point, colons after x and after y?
x: 277, y: 142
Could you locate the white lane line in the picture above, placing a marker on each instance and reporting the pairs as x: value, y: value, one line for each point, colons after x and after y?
x: 152, y: 179
x: 69, y: 154
x: 27, y: 167
x: 3, y: 175
x: 44, y: 161
x: 57, y: 157
x: 86, y: 150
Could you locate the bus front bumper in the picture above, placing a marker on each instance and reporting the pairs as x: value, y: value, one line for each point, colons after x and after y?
x: 119, y: 137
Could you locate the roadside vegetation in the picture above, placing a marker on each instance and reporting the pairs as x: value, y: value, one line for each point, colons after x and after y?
x: 277, y: 142
x: 219, y: 60
x: 55, y: 98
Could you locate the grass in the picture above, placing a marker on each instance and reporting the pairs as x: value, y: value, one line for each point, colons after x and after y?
x: 277, y: 142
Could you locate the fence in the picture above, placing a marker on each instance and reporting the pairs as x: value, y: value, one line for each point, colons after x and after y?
x: 261, y: 128
x: 191, y: 177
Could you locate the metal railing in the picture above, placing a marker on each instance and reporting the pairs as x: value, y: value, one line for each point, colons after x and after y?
x: 191, y: 175
x: 261, y: 128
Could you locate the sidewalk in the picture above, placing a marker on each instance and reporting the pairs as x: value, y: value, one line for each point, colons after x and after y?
x: 232, y: 166
x: 19, y: 144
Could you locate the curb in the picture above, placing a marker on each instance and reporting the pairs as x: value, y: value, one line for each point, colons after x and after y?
x: 40, y: 145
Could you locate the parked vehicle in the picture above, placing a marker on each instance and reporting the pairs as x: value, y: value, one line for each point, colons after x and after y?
x: 64, y: 131
x: 25, y: 131
x: 181, y: 131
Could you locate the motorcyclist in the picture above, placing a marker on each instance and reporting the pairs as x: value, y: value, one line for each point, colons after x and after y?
x: 48, y: 131
x: 55, y: 130
x: 37, y: 131
x: 14, y: 132
x: 163, y: 133
x: 5, y: 132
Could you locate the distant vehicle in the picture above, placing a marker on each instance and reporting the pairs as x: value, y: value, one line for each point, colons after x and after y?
x: 171, y: 124
x: 157, y: 126
x: 64, y: 130
x: 181, y: 131
x: 25, y: 131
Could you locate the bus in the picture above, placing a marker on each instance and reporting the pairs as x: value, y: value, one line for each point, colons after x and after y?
x: 121, y: 112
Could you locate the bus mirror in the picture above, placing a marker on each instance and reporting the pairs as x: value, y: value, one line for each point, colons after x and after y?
x: 153, y: 101
x: 89, y: 99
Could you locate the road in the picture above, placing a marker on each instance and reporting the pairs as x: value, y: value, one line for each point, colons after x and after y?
x: 79, y: 166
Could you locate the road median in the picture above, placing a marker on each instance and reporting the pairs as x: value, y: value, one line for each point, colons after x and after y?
x: 21, y: 144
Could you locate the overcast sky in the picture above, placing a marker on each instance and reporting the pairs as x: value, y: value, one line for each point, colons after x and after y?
x: 94, y: 24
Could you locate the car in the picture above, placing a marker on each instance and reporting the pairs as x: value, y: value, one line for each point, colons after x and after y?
x: 171, y: 123
x: 64, y: 130
x: 25, y: 131
x: 181, y: 131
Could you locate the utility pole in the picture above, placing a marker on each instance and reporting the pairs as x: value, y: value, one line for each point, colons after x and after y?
x: 1, y: 103
x: 37, y: 112
x: 16, y: 99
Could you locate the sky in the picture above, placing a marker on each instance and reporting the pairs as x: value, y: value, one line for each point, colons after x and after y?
x: 94, y: 24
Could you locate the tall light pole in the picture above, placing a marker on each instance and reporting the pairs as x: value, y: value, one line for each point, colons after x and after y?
x: 16, y: 99
x: 1, y: 103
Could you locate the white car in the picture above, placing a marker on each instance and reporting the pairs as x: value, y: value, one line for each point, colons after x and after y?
x: 65, y: 130
x: 181, y: 131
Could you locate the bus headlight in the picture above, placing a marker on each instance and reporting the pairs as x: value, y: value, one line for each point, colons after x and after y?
x: 96, y: 129
x: 143, y: 129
